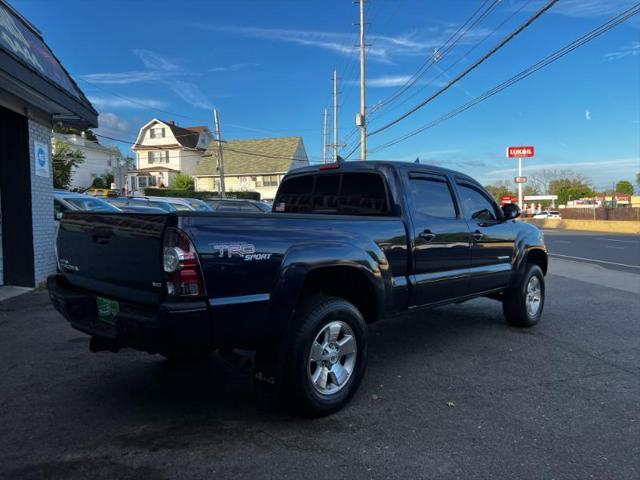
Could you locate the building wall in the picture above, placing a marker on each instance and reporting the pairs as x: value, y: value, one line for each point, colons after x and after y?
x: 42, y: 207
x: 238, y: 183
x: 174, y: 159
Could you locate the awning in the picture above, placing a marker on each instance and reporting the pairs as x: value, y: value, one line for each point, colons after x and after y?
x: 30, y: 71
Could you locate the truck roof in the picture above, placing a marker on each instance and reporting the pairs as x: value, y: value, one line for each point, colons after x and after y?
x: 357, y: 165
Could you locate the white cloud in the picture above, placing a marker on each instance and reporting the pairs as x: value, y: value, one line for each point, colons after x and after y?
x: 232, y: 68
x: 155, y: 61
x: 590, y: 8
x: 160, y: 70
x: 134, y: 103
x: 629, y: 50
x: 124, y: 78
x: 190, y: 93
x: 625, y: 165
x: 111, y: 125
x: 587, y: 115
x: 384, y: 48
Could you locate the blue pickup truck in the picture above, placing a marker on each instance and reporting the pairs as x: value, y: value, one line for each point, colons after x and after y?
x: 346, y: 244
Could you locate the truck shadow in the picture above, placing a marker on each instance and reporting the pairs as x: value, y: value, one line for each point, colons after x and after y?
x: 213, y: 386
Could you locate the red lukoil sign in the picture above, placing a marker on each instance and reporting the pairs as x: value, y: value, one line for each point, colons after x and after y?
x: 520, y: 152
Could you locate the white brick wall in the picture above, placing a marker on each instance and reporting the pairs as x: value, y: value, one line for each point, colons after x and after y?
x: 42, y: 207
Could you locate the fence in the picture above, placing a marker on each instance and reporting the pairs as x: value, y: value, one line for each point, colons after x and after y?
x: 619, y: 214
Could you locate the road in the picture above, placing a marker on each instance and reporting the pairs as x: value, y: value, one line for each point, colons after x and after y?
x: 454, y: 393
x: 616, y: 251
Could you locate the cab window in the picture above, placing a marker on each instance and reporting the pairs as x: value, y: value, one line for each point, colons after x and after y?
x: 476, y: 204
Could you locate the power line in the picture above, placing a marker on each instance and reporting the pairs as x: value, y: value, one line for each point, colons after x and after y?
x: 469, y: 69
x: 558, y: 54
x: 451, y: 42
x: 462, y: 57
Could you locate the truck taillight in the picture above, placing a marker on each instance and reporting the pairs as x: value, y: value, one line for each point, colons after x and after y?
x: 181, y: 265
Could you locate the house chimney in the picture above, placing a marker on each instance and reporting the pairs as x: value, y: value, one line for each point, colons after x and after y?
x: 172, y: 122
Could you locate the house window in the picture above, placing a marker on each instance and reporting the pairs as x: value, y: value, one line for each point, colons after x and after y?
x: 145, y: 181
x: 157, y: 132
x: 158, y: 156
x: 268, y: 181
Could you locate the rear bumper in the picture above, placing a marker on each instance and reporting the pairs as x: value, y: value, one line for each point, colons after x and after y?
x: 169, y: 327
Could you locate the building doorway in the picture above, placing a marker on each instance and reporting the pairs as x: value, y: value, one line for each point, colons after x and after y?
x: 16, y: 253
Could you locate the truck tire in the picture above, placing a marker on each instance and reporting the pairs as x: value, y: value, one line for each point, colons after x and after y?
x: 327, y: 356
x: 523, y: 304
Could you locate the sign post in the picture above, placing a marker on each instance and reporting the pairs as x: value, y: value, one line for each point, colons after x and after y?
x: 520, y: 153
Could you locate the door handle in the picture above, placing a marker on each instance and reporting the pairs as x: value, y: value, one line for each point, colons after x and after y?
x: 477, y: 235
x: 427, y: 235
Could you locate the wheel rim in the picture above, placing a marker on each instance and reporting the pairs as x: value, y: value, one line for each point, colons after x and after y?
x: 332, y: 358
x: 534, y: 296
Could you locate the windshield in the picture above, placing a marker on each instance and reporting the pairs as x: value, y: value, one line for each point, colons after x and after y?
x: 90, y: 204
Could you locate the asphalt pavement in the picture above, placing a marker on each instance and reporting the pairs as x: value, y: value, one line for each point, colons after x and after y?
x: 613, y: 250
x: 452, y: 393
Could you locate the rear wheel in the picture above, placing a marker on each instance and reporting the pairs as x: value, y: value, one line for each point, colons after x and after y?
x: 523, y: 304
x: 328, y: 356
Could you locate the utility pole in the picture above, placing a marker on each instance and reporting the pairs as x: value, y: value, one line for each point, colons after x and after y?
x: 324, y: 137
x: 220, y: 158
x: 363, y: 108
x: 335, y: 115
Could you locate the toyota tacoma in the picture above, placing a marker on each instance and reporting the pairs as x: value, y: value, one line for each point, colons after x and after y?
x: 345, y: 245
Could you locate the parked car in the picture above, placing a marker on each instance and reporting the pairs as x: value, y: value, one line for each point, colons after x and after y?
x: 347, y: 244
x: 548, y: 214
x: 141, y: 209
x: 142, y: 202
x: 103, y: 192
x: 64, y: 201
x: 238, y: 205
x: 184, y: 204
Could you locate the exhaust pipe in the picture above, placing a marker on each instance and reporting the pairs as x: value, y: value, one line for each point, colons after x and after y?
x: 99, y: 344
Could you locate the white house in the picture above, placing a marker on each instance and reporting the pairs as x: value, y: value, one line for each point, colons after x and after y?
x: 163, y: 149
x: 99, y: 160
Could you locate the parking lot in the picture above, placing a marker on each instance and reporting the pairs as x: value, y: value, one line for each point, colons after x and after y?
x: 453, y: 393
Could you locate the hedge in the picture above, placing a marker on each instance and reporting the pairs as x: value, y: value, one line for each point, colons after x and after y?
x: 172, y: 192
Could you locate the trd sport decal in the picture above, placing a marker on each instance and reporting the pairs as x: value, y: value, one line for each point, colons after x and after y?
x: 244, y: 250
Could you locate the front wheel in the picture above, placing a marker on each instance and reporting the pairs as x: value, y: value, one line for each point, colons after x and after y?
x: 327, y: 356
x: 523, y: 304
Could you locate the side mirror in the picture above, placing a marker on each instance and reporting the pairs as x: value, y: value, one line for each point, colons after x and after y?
x: 57, y: 216
x: 511, y: 211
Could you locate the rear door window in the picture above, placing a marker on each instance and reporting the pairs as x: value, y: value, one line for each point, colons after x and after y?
x: 352, y: 193
x: 432, y: 196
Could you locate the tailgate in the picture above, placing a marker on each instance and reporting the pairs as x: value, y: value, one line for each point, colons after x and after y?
x: 116, y: 255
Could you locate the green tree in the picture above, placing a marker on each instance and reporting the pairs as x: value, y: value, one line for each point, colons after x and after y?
x: 638, y: 179
x: 98, y: 182
x: 65, y: 159
x: 500, y: 189
x: 624, y: 186
x: 569, y: 189
x: 183, y: 181
x: 89, y: 135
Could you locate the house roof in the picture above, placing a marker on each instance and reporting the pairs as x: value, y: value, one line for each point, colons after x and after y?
x: 255, y: 156
x: 185, y: 136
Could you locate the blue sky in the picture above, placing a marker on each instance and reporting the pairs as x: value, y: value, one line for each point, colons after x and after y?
x: 267, y: 66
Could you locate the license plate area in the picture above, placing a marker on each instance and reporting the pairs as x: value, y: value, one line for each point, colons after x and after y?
x: 108, y: 310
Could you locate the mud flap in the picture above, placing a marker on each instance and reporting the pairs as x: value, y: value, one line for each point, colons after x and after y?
x: 268, y: 368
